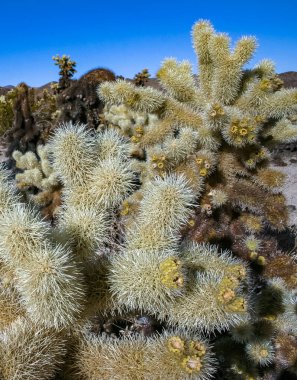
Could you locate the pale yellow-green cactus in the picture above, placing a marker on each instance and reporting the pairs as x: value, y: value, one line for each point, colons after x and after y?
x: 38, y: 174
x: 52, y: 288
x: 29, y: 351
x: 74, y: 154
x: 23, y: 232
x: 164, y: 209
x: 40, y: 268
x: 146, y: 279
x: 115, y: 278
x: 85, y: 227
x: 175, y: 354
x: 228, y: 108
x: 8, y: 194
x: 10, y: 305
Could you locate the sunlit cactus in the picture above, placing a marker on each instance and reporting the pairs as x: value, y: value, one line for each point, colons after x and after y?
x: 8, y: 194
x: 164, y: 209
x: 51, y: 289
x: 216, y: 131
x: 235, y: 116
x: 28, y: 351
x: 146, y: 279
x: 67, y: 70
x: 212, y: 302
x: 161, y: 261
x: 73, y: 154
x: 38, y: 181
x: 174, y: 354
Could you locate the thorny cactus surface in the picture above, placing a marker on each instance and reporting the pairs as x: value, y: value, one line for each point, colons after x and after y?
x: 38, y: 181
x: 218, y: 133
x: 128, y: 283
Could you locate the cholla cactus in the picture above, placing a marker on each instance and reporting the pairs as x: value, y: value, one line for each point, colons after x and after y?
x: 38, y: 174
x: 30, y: 351
x: 217, y: 131
x: 175, y: 355
x: 67, y: 70
x: 126, y: 279
x: 146, y: 268
x: 141, y: 78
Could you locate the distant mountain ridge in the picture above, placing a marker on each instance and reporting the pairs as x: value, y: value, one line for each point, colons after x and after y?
x: 5, y: 89
x: 289, y: 78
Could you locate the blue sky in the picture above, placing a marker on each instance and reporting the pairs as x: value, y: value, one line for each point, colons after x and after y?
x: 127, y: 36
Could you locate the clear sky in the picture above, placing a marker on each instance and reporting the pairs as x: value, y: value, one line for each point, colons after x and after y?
x: 127, y: 36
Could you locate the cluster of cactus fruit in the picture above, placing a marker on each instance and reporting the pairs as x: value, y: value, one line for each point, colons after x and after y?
x: 161, y: 260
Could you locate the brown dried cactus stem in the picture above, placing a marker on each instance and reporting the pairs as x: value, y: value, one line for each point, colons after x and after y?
x: 79, y: 103
x: 24, y: 133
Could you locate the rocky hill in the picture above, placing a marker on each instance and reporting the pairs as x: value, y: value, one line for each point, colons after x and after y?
x: 289, y: 78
